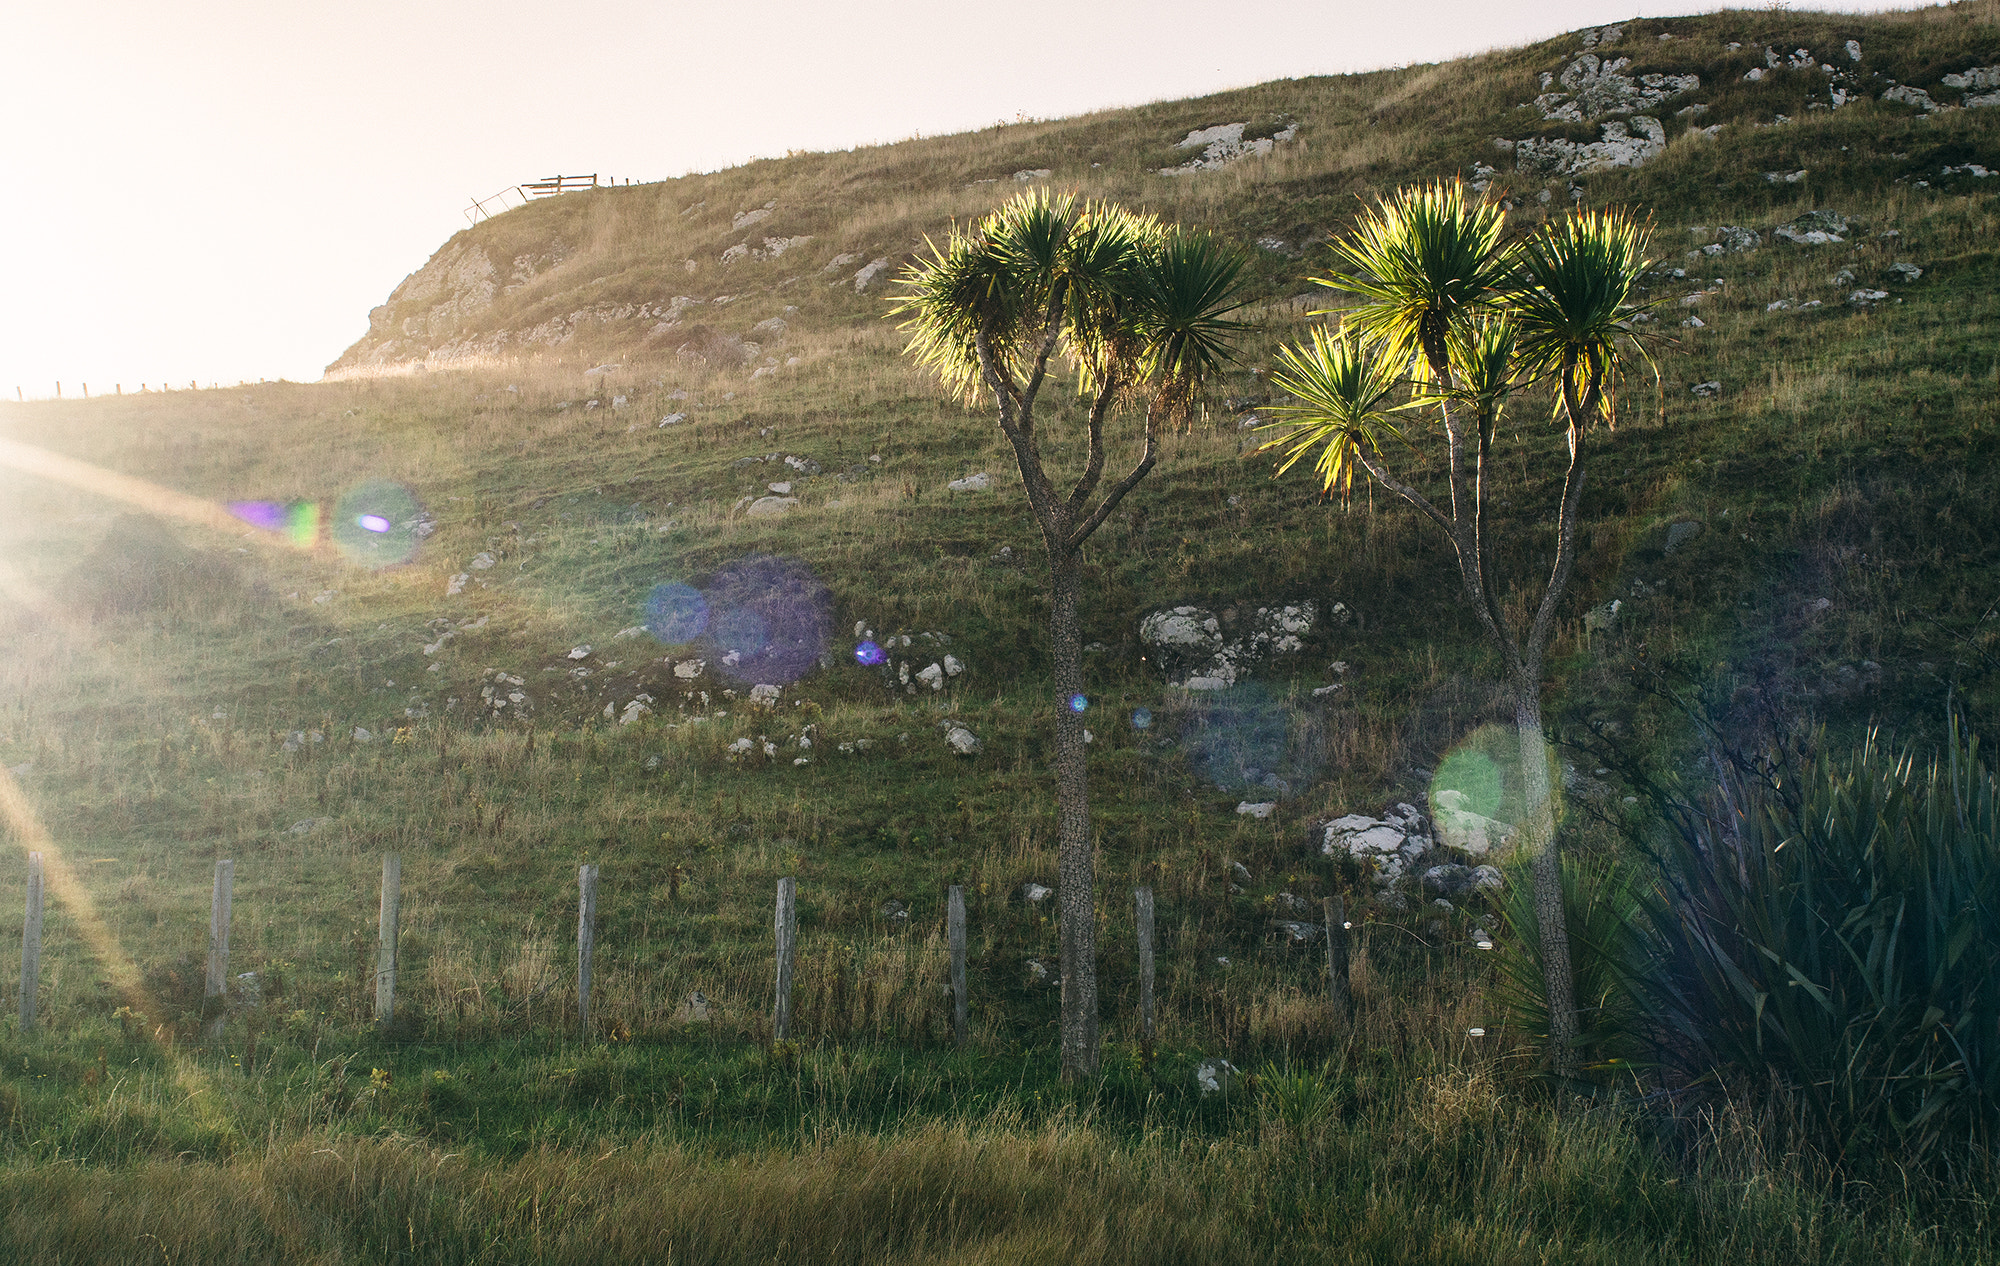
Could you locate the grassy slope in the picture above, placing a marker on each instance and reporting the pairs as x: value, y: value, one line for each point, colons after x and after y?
x: 1849, y: 457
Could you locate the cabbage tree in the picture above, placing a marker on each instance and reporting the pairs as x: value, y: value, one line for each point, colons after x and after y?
x: 1137, y: 313
x: 1447, y: 306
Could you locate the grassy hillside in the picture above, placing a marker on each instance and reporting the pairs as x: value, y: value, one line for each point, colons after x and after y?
x: 177, y: 692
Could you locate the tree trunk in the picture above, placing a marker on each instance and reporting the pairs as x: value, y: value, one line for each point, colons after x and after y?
x: 1539, y: 828
x: 1075, y: 884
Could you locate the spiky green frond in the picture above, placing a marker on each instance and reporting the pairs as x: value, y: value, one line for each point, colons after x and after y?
x: 1420, y: 262
x: 1572, y: 299
x: 963, y: 288
x: 1185, y: 283
x: 1340, y: 385
x: 1483, y: 368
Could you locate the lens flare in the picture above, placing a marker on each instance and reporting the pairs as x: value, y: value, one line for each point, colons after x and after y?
x: 378, y: 501
x: 298, y: 520
x: 1077, y: 703
x: 676, y: 613
x: 870, y: 655
x: 1242, y: 740
x: 1142, y: 718
x: 772, y: 619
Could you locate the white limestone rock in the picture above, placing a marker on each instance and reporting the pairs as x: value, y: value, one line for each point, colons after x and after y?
x: 1623, y: 145
x: 1460, y: 828
x: 972, y: 483
x: 1593, y: 87
x: 771, y: 507
x: 1223, y: 144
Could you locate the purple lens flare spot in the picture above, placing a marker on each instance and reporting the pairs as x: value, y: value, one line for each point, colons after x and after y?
x: 870, y: 655
x: 269, y: 515
x: 1077, y: 703
x: 373, y: 523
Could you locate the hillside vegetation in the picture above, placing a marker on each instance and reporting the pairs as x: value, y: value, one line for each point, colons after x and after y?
x: 595, y: 629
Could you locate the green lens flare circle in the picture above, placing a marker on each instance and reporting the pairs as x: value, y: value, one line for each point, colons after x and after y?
x: 375, y: 524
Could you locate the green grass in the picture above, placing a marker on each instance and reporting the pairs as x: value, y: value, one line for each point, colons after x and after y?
x: 1850, y: 457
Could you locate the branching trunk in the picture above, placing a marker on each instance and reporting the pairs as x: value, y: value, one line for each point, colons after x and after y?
x: 1521, y: 661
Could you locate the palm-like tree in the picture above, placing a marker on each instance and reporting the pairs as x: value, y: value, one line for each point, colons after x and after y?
x: 1476, y: 320
x: 1139, y: 311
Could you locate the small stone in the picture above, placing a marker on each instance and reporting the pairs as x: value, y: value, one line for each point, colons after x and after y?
x: 1034, y: 893
x: 972, y: 483
x: 962, y: 741
x: 578, y: 652
x: 1262, y: 810
x: 1215, y: 1076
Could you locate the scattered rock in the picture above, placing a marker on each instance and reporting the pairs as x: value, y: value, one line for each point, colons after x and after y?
x: 961, y: 740
x: 868, y: 274
x: 1390, y: 844
x: 1292, y: 905
x: 1593, y: 87
x: 1449, y: 880
x: 1707, y: 390
x: 1785, y: 177
x: 1298, y: 933
x: 1034, y: 893
x: 1263, y: 810
x: 1912, y: 96
x: 1215, y: 1076
x: 765, y: 695
x: 1623, y: 145
x: 895, y: 911
x: 972, y: 483
x: 1468, y: 832
x: 1189, y: 645
x: 768, y: 507
x: 481, y: 561
x: 1223, y: 144
x: 1905, y: 272
x: 1865, y: 298
x: 932, y: 676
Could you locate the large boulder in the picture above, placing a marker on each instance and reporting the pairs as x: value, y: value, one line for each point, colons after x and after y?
x: 1460, y: 828
x: 1390, y: 845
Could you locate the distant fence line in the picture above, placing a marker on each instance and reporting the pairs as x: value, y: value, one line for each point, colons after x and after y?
x: 528, y: 191
x: 784, y: 933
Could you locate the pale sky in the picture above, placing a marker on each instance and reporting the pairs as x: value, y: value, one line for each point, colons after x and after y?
x: 218, y: 190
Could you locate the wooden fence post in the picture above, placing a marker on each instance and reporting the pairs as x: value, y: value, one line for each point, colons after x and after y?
x: 955, y: 933
x: 387, y: 926
x: 1142, y: 900
x: 1336, y: 958
x: 586, y: 936
x: 788, y: 932
x: 31, y: 943
x: 218, y: 931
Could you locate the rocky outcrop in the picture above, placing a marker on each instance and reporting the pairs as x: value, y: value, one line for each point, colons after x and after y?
x: 1194, y: 650
x: 1224, y: 144
x: 1623, y: 145
x: 1592, y: 87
